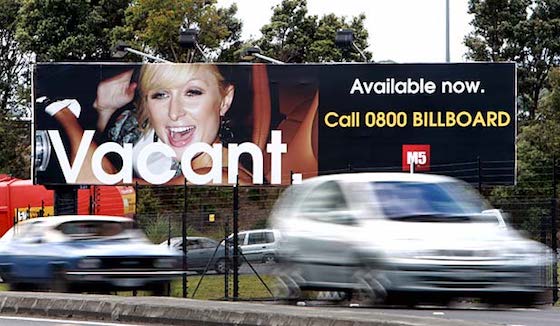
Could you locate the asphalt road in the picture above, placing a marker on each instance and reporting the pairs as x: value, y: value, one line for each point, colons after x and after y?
x: 546, y: 316
x: 36, y: 321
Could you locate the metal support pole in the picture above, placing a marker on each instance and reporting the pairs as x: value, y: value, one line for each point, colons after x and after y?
x: 90, y: 208
x: 554, y: 232
x: 65, y: 200
x: 447, y: 56
x: 184, y: 238
x: 236, y: 240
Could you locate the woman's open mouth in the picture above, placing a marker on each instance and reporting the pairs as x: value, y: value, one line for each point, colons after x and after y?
x: 180, y: 136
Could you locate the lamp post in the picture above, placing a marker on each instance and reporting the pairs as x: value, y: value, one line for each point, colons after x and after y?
x: 345, y: 38
x: 253, y: 52
x: 447, y: 56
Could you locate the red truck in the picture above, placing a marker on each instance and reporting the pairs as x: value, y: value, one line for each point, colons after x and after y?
x: 21, y: 200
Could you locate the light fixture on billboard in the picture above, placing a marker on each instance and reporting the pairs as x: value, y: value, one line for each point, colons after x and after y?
x: 121, y: 49
x: 345, y: 38
x: 253, y: 52
x: 188, y: 39
x: 42, y: 150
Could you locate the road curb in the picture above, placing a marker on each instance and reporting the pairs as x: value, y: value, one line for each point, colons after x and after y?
x: 174, y: 311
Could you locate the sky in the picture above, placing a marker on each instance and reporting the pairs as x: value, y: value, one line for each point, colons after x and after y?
x: 399, y: 30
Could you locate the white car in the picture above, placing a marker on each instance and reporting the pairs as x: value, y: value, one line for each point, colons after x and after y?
x: 408, y: 237
x: 258, y: 245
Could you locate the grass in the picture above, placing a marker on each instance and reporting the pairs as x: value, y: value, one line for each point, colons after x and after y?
x: 211, y: 287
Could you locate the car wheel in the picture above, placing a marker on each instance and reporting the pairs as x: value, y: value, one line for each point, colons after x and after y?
x: 371, y: 284
x: 269, y: 259
x: 286, y: 287
x: 59, y: 282
x: 220, y: 266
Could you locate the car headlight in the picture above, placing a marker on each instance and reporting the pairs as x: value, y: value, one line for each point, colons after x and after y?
x: 89, y: 263
x: 165, y: 263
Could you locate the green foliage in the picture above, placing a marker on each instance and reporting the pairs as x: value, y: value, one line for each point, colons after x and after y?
x: 13, y: 69
x: 146, y: 201
x: 524, y: 31
x: 62, y: 30
x: 154, y: 25
x: 15, y: 149
x: 294, y: 36
x: 537, y: 146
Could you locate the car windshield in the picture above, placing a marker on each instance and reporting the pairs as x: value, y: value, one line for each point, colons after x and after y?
x: 431, y: 201
x: 85, y: 230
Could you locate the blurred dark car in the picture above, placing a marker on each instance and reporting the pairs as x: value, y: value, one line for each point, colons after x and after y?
x: 84, y: 253
x: 404, y: 238
x: 203, y: 254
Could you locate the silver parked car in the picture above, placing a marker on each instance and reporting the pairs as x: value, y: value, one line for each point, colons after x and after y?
x: 259, y: 245
x: 402, y: 237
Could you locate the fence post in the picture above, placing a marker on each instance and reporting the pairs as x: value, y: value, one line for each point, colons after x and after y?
x: 479, y: 168
x: 137, y: 194
x: 554, y: 232
x: 184, y: 238
x: 226, y: 272
x: 42, y: 210
x: 236, y: 240
x: 90, y: 208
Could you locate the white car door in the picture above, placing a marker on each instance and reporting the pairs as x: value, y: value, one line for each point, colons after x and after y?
x: 324, y: 235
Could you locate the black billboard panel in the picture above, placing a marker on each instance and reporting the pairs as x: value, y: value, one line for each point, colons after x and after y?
x: 268, y: 124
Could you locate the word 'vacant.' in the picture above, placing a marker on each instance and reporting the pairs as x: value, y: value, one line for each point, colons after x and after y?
x: 276, y: 148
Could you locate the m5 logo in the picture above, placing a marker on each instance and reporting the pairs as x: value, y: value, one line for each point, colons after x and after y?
x: 419, y: 155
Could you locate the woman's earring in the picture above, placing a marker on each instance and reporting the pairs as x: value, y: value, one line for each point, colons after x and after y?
x: 155, y: 137
x: 225, y: 133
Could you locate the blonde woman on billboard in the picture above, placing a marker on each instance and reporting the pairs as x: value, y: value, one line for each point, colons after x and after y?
x: 177, y: 105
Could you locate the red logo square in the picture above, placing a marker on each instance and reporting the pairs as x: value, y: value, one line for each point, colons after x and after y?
x: 419, y: 155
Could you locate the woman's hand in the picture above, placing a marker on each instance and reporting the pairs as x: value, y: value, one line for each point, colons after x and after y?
x: 113, y: 94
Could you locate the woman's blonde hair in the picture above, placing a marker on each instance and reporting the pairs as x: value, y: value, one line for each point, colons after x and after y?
x: 157, y: 76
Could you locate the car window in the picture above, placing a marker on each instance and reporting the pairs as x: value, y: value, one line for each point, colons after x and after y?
x: 269, y: 237
x: 193, y: 244
x: 402, y: 199
x: 257, y: 238
x: 208, y: 243
x: 84, y: 229
x: 326, y: 197
x: 241, y: 238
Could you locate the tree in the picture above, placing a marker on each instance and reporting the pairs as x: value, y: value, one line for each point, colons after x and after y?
x: 154, y: 25
x: 524, y: 31
x: 14, y: 134
x: 13, y: 63
x: 61, y: 30
x: 294, y: 36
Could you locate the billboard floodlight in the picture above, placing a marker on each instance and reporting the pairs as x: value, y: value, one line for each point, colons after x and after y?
x: 253, y: 52
x: 121, y: 49
x: 345, y: 38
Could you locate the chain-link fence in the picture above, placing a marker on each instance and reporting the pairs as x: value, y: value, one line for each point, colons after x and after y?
x: 208, y: 216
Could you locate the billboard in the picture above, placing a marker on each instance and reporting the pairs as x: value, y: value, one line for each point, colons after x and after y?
x: 103, y: 123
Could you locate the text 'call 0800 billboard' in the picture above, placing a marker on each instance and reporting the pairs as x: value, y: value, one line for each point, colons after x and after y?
x: 267, y: 124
